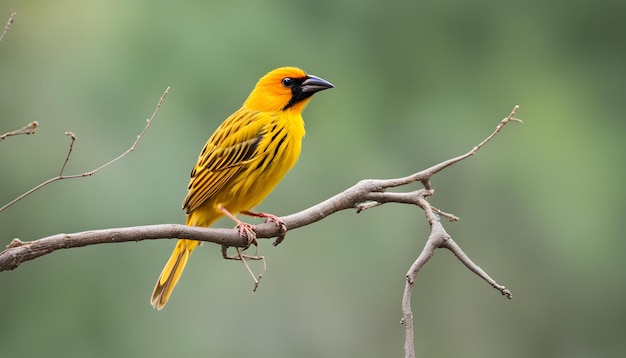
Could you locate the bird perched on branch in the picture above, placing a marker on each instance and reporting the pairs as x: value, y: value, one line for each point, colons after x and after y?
x: 243, y: 161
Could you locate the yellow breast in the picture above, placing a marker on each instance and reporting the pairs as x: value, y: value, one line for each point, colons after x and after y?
x: 243, y: 187
x: 276, y: 154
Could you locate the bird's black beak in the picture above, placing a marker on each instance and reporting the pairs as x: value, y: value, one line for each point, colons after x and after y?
x: 314, y: 84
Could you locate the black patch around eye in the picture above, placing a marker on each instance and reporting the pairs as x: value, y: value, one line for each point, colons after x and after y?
x: 297, y: 94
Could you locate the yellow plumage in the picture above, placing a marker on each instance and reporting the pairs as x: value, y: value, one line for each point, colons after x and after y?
x: 245, y: 158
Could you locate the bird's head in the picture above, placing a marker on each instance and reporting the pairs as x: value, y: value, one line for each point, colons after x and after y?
x: 285, y: 88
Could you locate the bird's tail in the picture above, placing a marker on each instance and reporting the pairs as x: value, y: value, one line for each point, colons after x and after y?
x: 171, y: 272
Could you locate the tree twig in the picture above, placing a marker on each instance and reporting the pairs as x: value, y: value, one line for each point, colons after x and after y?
x: 30, y: 128
x: 8, y: 24
x: 69, y: 151
x: 73, y: 138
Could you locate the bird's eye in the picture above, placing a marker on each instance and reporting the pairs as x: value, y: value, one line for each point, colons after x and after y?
x: 287, y: 82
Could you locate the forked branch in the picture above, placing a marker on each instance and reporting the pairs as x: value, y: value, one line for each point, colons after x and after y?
x: 366, y: 194
x: 363, y: 195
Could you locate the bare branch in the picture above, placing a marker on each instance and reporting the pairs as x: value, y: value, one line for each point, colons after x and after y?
x: 8, y: 24
x: 365, y: 191
x: 439, y: 238
x: 30, y: 128
x: 73, y: 138
x: 366, y: 194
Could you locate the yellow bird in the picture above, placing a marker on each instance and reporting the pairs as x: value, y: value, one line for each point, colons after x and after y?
x: 245, y: 158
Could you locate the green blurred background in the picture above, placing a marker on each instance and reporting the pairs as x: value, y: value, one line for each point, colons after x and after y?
x: 416, y: 83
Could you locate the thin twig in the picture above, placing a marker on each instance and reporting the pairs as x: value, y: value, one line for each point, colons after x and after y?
x: 69, y: 151
x: 139, y: 137
x: 30, y: 128
x: 458, y: 252
x: 450, y: 217
x: 61, y: 176
x: 8, y: 24
x: 425, y: 175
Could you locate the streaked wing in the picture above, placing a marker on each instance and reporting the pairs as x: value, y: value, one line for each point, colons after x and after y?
x: 232, y: 146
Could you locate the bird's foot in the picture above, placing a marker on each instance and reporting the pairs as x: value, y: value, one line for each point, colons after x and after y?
x: 273, y: 219
x: 246, y: 231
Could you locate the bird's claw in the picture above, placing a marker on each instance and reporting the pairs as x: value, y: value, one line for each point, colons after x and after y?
x: 274, y: 219
x: 269, y: 218
x: 246, y: 231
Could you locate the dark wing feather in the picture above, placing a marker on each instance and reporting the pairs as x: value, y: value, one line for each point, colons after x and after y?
x: 233, y: 145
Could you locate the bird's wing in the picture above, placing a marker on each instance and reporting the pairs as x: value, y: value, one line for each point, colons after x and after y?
x: 232, y: 146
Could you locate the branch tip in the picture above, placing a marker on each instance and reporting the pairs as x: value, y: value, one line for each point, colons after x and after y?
x: 30, y: 128
x: 8, y: 24
x: 513, y: 112
x: 507, y: 293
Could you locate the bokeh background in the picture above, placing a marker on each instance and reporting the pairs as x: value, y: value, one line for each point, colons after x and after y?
x: 416, y: 83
